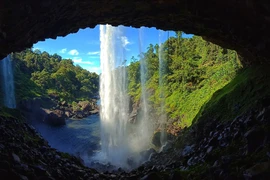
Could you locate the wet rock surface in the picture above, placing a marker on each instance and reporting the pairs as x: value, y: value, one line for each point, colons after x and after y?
x: 52, y: 117
x: 233, y: 149
x: 26, y: 155
x: 241, y: 25
x: 83, y: 109
x: 54, y: 112
x: 237, y: 149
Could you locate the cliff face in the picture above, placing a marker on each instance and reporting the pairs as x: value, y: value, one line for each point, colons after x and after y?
x: 242, y: 25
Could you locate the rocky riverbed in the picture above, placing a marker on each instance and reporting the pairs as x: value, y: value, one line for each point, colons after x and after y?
x: 26, y: 155
x: 52, y: 111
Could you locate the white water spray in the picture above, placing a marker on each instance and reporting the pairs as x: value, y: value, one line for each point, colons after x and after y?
x: 8, y: 82
x: 121, y: 141
x: 146, y: 125
x: 162, y: 69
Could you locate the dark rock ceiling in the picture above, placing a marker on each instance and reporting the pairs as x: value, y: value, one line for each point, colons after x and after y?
x: 243, y: 25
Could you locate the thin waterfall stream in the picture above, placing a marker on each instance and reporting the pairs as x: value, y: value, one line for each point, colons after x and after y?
x: 144, y: 95
x: 8, y: 82
x: 162, y: 72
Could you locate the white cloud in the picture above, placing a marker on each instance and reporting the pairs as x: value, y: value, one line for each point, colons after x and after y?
x: 79, y: 60
x: 94, y: 69
x: 88, y: 62
x: 73, y: 52
x: 63, y: 51
x: 93, y: 53
x: 124, y: 41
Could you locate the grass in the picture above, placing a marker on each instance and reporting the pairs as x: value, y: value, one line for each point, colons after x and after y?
x: 245, y: 91
x: 190, y: 104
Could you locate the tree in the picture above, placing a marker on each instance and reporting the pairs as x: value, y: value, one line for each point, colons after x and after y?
x: 52, y: 74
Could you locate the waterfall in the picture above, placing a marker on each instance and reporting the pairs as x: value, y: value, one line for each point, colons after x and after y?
x: 146, y: 126
x: 121, y: 141
x: 162, y: 72
x: 143, y: 71
x: 114, y: 101
x: 8, y: 83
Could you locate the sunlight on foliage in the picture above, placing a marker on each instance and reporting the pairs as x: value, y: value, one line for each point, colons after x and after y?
x: 40, y: 74
x: 194, y: 69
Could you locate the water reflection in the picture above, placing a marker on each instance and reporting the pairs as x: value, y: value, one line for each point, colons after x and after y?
x: 77, y: 137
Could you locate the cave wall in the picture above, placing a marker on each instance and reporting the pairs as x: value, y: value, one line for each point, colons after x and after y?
x: 243, y: 25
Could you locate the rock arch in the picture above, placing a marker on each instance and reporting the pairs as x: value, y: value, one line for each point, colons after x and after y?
x: 242, y: 25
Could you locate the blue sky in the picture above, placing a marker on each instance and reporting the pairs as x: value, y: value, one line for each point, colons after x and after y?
x: 83, y: 47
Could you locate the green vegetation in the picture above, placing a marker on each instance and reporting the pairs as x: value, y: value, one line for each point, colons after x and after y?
x: 192, y: 70
x: 40, y: 74
x: 249, y: 89
x: 11, y: 113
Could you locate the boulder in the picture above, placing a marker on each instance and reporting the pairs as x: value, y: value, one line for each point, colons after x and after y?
x: 53, y: 117
x: 16, y: 158
x: 193, y: 160
x: 258, y: 171
x: 255, y: 138
x: 83, y: 109
x: 79, y: 114
x: 146, y: 154
x: 95, y: 111
x: 166, y: 147
x: 159, y: 137
x: 85, y: 105
x: 156, y: 139
x: 63, y: 103
x: 68, y: 113
x: 188, y: 150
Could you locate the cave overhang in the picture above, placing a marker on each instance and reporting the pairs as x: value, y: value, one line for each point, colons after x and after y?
x: 241, y: 25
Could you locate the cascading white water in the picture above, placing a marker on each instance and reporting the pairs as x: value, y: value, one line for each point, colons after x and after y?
x: 121, y: 141
x: 143, y: 71
x: 114, y: 101
x: 145, y: 126
x: 8, y: 82
x: 162, y: 72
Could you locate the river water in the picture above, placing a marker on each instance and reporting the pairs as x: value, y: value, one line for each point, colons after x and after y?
x: 78, y: 137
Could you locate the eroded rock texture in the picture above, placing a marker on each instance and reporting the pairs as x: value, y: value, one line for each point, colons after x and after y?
x: 243, y: 25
